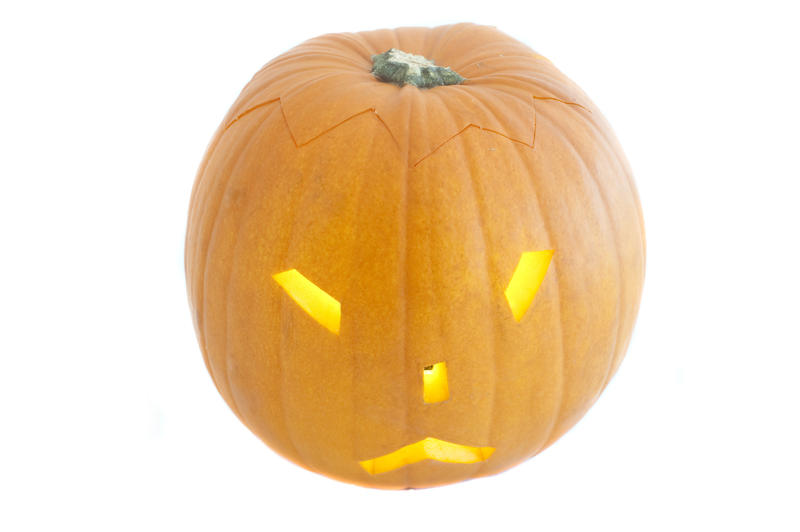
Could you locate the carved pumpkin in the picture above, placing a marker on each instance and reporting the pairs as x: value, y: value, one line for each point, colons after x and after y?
x: 404, y: 275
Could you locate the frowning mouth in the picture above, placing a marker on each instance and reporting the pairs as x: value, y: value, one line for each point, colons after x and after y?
x: 427, y: 449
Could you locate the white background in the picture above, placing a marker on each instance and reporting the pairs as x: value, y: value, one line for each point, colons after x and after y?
x: 108, y: 420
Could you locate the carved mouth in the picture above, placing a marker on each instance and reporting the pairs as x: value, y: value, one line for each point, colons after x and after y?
x: 427, y: 449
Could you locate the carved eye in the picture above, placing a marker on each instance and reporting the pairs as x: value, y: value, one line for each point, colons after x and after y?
x: 525, y: 282
x: 315, y: 301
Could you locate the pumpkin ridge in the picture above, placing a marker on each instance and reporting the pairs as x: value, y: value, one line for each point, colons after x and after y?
x: 404, y: 351
x: 505, y: 57
x: 223, y: 194
x: 444, y: 36
x: 603, y: 133
x: 481, y: 38
x: 196, y: 213
x: 212, y: 230
x: 356, y: 361
x: 606, y: 134
x: 538, y: 81
x: 358, y: 40
x: 295, y: 455
x: 432, y: 49
x: 615, y: 231
x: 228, y: 308
x: 619, y: 351
x: 289, y: 449
x: 306, y: 50
x: 491, y: 273
x: 554, y: 272
x: 196, y: 187
x: 374, y: 42
x: 200, y: 209
x: 469, y: 181
x: 300, y: 193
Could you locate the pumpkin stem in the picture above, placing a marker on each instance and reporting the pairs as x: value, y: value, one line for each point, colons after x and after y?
x: 401, y: 68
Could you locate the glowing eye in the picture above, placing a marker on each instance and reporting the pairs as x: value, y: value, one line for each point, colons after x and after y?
x: 311, y: 298
x: 525, y: 282
x: 434, y: 383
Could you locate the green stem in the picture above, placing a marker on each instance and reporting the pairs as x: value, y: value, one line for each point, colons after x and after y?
x: 402, y: 68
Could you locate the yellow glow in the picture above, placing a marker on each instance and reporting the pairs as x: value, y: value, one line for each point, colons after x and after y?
x: 311, y: 298
x: 427, y: 449
x: 527, y: 278
x: 434, y: 383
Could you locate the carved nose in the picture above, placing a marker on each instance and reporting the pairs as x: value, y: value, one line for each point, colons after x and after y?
x: 434, y: 383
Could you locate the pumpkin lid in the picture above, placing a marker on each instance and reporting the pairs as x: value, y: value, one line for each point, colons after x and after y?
x: 327, y: 80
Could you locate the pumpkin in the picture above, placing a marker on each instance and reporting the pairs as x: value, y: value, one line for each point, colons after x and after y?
x: 413, y: 256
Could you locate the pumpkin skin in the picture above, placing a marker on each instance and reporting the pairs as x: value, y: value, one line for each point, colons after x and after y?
x: 412, y: 207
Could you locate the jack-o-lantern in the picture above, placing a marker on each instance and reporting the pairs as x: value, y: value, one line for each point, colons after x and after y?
x: 407, y: 275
